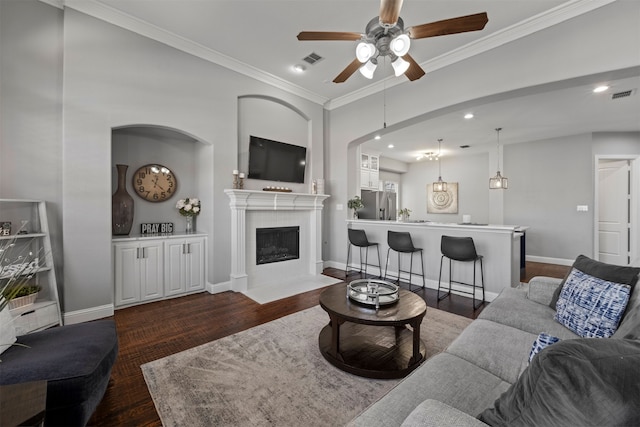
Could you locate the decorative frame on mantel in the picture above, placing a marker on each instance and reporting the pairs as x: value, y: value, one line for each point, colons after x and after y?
x: 443, y: 201
x: 242, y: 201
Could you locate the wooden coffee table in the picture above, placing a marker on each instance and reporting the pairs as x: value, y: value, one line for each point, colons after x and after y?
x: 355, y: 340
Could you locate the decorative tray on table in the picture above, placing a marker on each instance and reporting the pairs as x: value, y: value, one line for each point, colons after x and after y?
x: 373, y: 292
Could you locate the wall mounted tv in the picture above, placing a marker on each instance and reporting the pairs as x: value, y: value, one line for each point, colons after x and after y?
x: 276, y: 161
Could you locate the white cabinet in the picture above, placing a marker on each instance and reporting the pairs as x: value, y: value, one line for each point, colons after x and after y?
x: 138, y: 271
x: 29, y: 218
x: 369, y: 171
x: 151, y: 268
x: 184, y: 265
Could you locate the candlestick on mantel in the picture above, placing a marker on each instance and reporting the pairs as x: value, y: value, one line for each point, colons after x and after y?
x: 235, y: 179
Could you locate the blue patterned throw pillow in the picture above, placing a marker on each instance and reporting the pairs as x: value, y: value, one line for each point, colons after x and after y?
x: 591, y: 307
x: 543, y: 341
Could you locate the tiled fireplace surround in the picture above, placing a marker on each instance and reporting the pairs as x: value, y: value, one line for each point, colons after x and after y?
x: 258, y: 209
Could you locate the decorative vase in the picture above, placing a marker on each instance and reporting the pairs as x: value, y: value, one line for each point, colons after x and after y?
x: 191, y: 224
x: 121, y: 205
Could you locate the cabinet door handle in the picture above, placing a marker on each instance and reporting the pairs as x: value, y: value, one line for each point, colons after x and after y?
x: 138, y: 253
x: 144, y: 253
x: 184, y: 248
x: 189, y: 248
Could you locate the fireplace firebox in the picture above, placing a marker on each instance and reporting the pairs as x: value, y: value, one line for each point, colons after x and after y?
x: 277, y: 244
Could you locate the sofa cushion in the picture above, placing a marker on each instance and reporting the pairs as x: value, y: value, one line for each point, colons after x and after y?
x: 541, y: 289
x: 591, y: 307
x: 445, y: 378
x: 75, y: 360
x: 630, y: 325
x: 432, y: 413
x: 612, y: 273
x: 501, y: 350
x: 585, y: 382
x: 513, y: 308
x: 543, y: 341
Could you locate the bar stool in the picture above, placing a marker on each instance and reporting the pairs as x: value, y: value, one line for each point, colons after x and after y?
x: 359, y: 238
x: 401, y: 243
x: 464, y: 250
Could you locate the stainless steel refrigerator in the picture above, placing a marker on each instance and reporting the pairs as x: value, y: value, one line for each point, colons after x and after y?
x: 379, y: 205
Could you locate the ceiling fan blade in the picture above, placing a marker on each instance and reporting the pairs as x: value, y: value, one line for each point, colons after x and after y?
x: 328, y: 35
x: 390, y: 11
x: 347, y: 72
x: 461, y: 24
x: 415, y: 71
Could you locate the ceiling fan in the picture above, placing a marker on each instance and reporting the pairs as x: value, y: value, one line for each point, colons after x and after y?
x: 385, y: 36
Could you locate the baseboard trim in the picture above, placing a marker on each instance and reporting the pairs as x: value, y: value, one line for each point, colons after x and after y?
x: 88, y: 314
x: 215, y: 288
x: 547, y: 260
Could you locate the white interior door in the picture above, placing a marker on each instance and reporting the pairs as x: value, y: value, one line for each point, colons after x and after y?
x: 613, y: 211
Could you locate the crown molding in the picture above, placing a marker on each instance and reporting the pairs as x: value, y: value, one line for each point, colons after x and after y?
x: 55, y: 3
x: 113, y: 16
x: 547, y: 19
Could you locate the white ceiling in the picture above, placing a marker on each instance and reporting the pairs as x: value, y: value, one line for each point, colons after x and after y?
x: 258, y: 38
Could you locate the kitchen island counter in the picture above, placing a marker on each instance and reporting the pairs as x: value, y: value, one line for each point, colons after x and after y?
x: 498, y: 244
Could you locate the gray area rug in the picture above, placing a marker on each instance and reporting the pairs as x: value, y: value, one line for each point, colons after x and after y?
x: 273, y: 375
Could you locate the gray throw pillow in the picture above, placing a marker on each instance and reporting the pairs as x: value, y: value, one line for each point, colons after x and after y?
x: 609, y: 272
x: 578, y: 382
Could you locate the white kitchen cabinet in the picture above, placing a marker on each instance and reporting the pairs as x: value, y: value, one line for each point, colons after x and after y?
x: 29, y: 218
x: 184, y: 265
x: 152, y: 268
x: 369, y: 171
x: 138, y: 271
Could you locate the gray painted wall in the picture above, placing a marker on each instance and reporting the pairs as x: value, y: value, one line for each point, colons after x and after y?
x: 112, y: 78
x: 473, y: 192
x: 31, y: 110
x: 596, y: 46
x: 548, y: 179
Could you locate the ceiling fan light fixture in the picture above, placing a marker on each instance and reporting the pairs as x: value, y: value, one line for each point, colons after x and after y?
x: 364, y: 51
x: 400, y: 66
x: 400, y: 45
x: 368, y: 69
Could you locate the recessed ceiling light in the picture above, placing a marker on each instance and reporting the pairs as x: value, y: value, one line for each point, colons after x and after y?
x: 377, y: 137
x: 468, y: 116
x: 390, y: 145
x: 601, y: 89
x: 299, y: 68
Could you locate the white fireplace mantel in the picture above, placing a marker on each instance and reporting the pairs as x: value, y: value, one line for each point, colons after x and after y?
x: 308, y: 209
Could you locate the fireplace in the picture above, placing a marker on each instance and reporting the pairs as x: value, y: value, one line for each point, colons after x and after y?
x: 252, y: 210
x: 276, y: 244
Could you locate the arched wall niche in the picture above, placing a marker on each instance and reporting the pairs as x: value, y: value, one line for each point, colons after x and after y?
x: 272, y: 118
x: 187, y: 155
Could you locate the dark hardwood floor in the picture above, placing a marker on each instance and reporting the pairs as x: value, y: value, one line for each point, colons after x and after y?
x: 155, y: 330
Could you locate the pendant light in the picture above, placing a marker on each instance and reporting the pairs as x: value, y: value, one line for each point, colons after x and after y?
x: 439, y: 186
x: 498, y: 182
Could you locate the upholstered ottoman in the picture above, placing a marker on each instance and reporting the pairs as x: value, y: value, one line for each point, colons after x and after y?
x: 76, y: 361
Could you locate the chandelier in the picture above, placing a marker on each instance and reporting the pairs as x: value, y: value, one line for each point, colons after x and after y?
x: 429, y: 155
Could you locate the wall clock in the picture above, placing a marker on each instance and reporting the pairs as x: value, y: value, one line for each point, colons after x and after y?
x: 154, y: 183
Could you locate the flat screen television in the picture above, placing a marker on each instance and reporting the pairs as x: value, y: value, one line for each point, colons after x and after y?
x: 276, y: 161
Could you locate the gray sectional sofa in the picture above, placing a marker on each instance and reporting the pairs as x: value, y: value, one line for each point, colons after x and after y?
x: 485, y: 374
